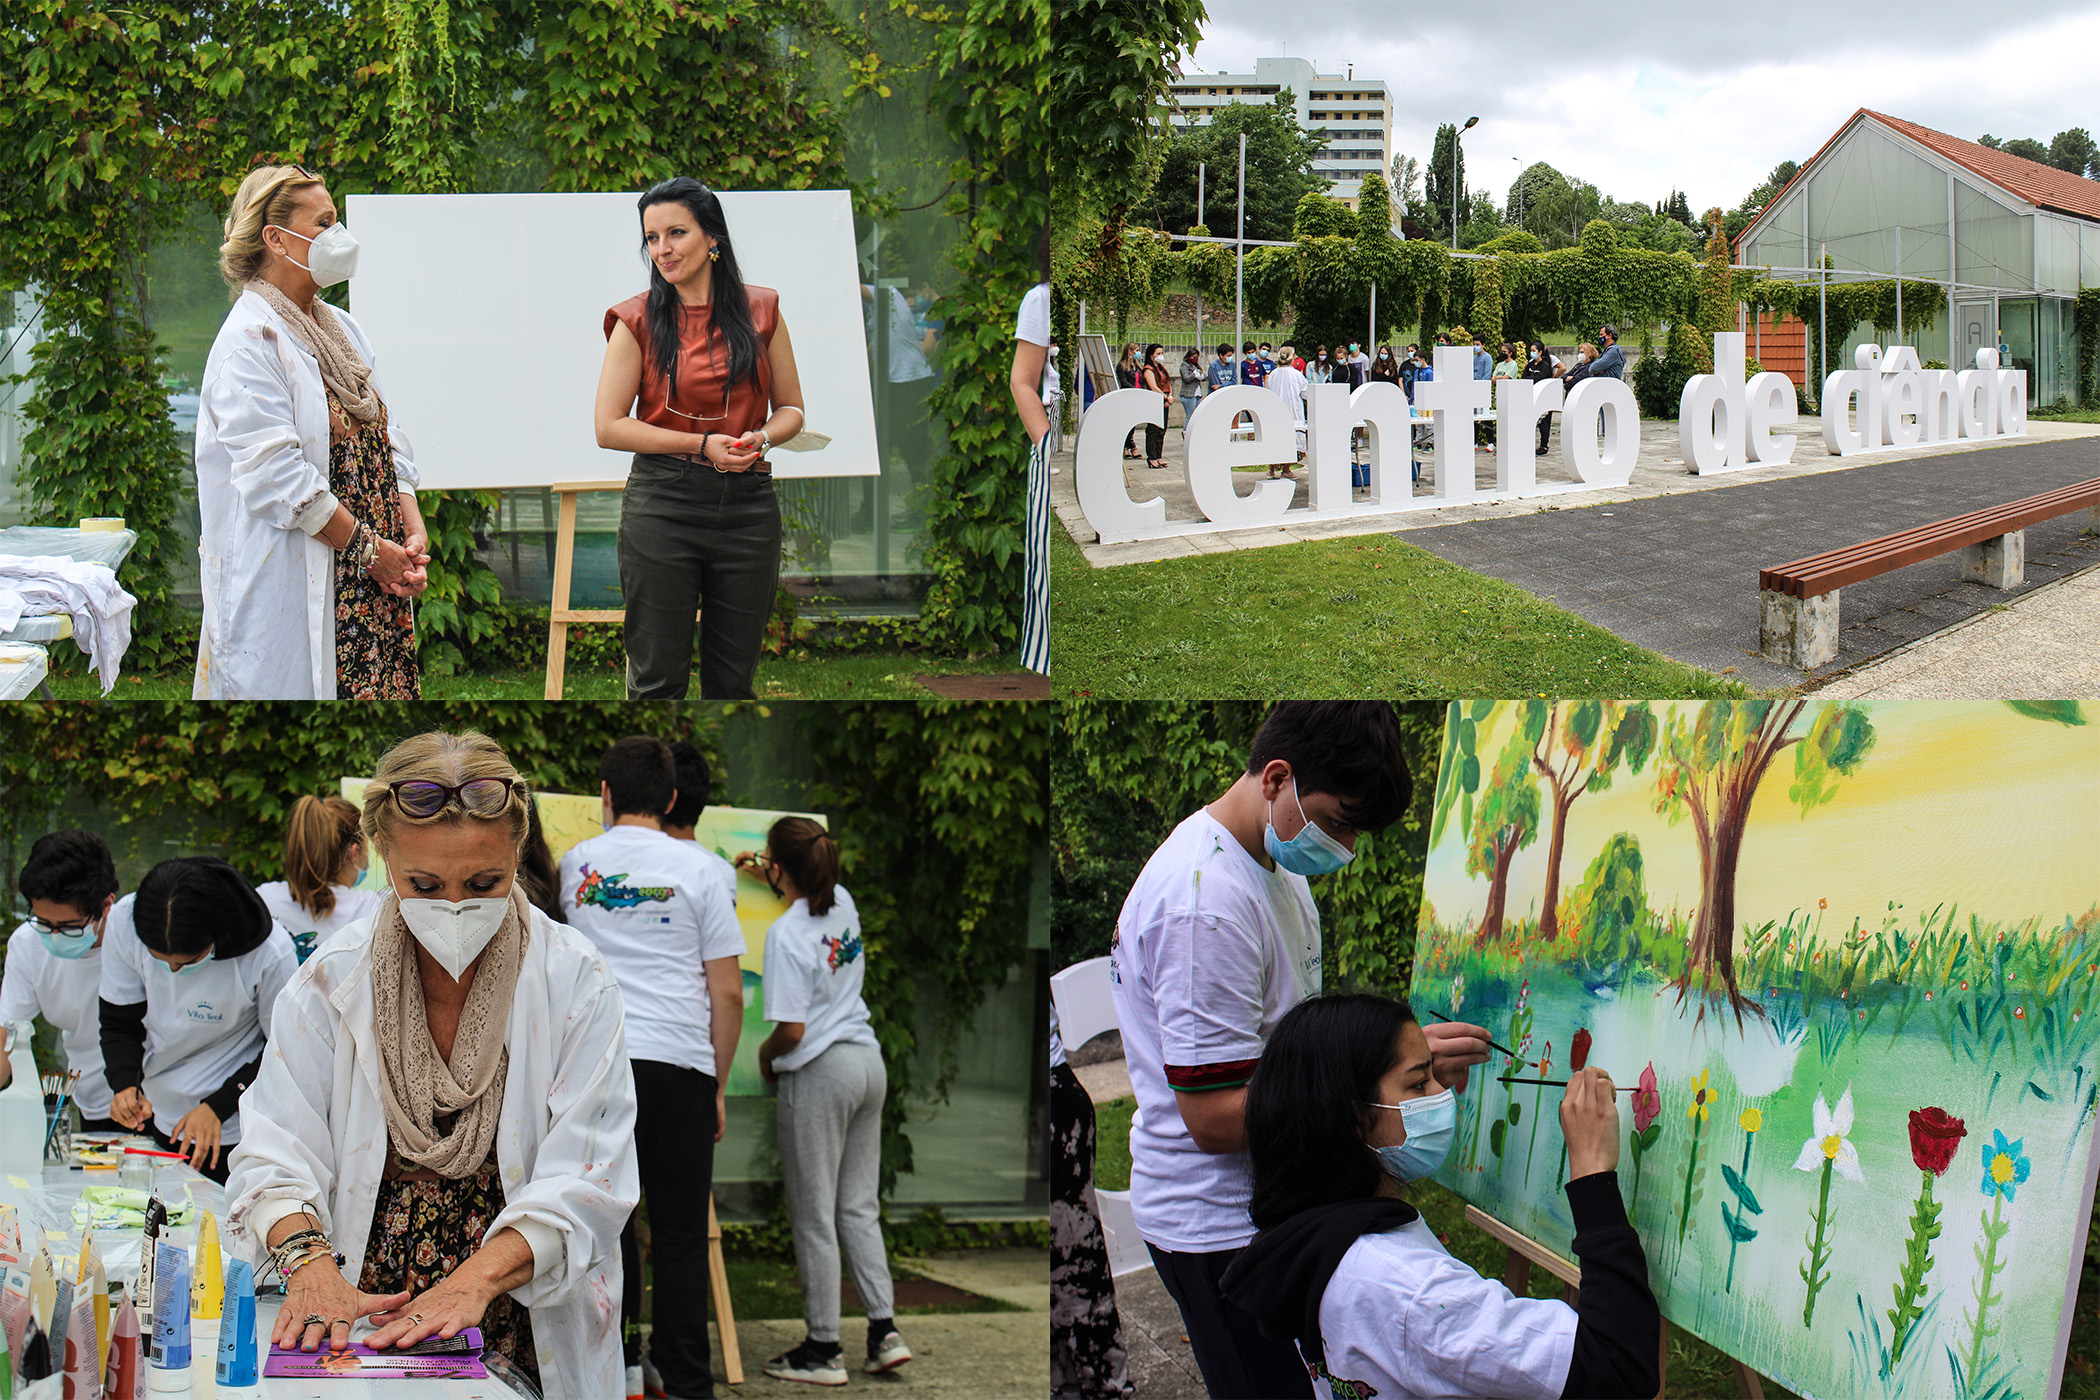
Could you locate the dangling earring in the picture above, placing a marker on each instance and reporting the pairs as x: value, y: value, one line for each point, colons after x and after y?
x: 714, y: 255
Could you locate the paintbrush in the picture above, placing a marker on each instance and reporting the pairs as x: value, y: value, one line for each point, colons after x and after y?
x: 1559, y: 1083
x: 1503, y: 1048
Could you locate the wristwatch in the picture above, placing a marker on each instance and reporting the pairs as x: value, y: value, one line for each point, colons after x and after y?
x: 767, y: 439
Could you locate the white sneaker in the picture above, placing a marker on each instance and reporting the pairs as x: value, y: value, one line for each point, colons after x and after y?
x: 652, y: 1379
x: 810, y: 1362
x: 887, y: 1354
x: 634, y: 1383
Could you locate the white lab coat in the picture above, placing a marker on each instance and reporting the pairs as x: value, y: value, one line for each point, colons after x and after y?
x: 262, y: 496
x: 564, y: 1140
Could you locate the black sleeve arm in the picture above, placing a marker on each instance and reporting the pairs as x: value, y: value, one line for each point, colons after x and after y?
x: 225, y: 1101
x: 124, y: 1045
x: 1618, y: 1328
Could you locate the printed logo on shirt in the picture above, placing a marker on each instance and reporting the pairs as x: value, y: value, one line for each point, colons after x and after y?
x: 204, y: 1013
x: 607, y: 892
x: 844, y: 949
x: 1340, y: 1388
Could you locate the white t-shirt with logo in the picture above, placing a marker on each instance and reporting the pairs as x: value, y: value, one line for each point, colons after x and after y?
x: 814, y: 970
x: 307, y: 930
x: 65, y: 992
x: 656, y: 908
x: 201, y: 1026
x: 1212, y: 948
x: 1401, y: 1318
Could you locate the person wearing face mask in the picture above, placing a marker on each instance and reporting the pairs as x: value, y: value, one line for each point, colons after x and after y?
x: 1223, y: 373
x: 1384, y: 370
x: 190, y: 976
x: 54, y: 959
x: 312, y: 547
x: 1189, y: 377
x: 1218, y: 938
x: 1350, y: 1104
x: 827, y: 1064
x: 442, y: 1133
x: 657, y: 910
x: 323, y: 857
x: 1156, y: 377
x: 1288, y: 382
x: 1319, y: 369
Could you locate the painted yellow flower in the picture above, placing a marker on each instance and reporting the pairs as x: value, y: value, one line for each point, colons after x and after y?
x: 1700, y: 1097
x: 1752, y: 1119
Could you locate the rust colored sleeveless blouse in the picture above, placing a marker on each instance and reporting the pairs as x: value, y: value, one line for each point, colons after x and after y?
x: 703, y: 366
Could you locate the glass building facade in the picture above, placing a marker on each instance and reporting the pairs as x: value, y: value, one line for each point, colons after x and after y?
x: 1877, y: 202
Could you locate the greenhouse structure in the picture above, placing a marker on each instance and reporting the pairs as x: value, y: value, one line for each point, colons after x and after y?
x: 2010, y: 240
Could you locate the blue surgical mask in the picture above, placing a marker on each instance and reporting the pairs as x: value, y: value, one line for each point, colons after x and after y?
x: 76, y: 943
x: 1311, y: 852
x: 188, y: 968
x: 1431, y: 1123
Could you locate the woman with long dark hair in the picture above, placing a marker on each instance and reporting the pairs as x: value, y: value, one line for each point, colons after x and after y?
x: 700, y: 384
x: 1343, y: 1111
x: 1153, y: 375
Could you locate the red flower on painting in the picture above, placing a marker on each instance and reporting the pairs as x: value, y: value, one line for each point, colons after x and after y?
x: 1647, y: 1100
x: 1579, y: 1054
x: 1934, y: 1136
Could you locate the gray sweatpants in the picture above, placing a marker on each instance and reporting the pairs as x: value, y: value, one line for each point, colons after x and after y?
x: 831, y: 1158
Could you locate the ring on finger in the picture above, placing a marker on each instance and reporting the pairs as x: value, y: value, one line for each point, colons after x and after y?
x: 313, y: 1320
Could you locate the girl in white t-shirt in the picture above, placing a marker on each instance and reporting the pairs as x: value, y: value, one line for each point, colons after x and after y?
x: 1031, y: 349
x: 323, y: 857
x: 1343, y: 1110
x: 825, y: 1059
x: 191, y: 969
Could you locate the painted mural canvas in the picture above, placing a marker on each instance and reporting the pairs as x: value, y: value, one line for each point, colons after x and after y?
x: 1844, y: 955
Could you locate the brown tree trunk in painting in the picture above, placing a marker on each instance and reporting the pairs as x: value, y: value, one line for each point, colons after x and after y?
x: 1712, y: 951
x: 1498, y: 889
x: 1549, y: 913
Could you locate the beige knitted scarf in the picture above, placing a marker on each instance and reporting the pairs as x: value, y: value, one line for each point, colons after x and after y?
x: 417, y: 1085
x: 342, y: 368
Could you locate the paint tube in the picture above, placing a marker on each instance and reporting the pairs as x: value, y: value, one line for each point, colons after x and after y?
x: 207, y: 1301
x: 43, y: 1288
x: 96, y: 1280
x: 14, y: 1309
x: 170, y: 1373
x: 36, y: 1354
x: 61, y: 1321
x: 83, y: 1379
x: 149, y: 1251
x: 7, y: 1369
x: 239, y: 1367
x: 126, y: 1377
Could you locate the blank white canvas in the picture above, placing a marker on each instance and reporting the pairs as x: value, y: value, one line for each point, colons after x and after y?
x: 487, y: 318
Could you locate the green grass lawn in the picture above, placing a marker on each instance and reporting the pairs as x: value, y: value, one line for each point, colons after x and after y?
x: 1696, y: 1369
x: 1361, y: 616
x: 863, y: 676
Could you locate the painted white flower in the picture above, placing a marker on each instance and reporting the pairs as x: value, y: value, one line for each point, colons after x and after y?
x: 1831, y: 1142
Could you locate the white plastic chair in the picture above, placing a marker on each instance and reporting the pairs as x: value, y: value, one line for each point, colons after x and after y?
x: 1084, y: 1007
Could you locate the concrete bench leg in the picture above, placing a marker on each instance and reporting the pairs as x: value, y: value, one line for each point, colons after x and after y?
x: 1798, y: 632
x: 2000, y: 562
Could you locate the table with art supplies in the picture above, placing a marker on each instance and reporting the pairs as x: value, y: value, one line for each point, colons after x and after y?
x: 74, y: 1239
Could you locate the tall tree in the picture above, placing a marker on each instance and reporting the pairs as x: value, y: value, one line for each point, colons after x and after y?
x: 1407, y: 180
x: 1709, y: 770
x: 1524, y: 193
x: 1507, y: 819
x: 1280, y: 171
x: 1580, y: 745
x: 1443, y: 185
x: 2075, y: 151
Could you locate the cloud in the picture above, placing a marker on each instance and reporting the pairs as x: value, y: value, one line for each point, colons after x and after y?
x: 1639, y: 98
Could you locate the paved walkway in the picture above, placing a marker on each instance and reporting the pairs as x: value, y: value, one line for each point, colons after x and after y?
x: 2040, y: 646
x: 1678, y: 574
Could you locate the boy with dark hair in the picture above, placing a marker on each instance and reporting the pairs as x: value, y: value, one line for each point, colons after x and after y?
x: 1251, y: 371
x: 660, y: 912
x: 1222, y: 374
x: 54, y: 961
x: 1218, y: 938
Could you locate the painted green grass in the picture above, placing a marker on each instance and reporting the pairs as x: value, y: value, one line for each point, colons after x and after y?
x: 863, y: 676
x: 1367, y: 615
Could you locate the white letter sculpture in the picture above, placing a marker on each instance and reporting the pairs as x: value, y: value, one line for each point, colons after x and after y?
x: 1725, y: 425
x: 1097, y: 466
x: 1902, y: 404
x: 1209, y: 454
x: 1451, y: 396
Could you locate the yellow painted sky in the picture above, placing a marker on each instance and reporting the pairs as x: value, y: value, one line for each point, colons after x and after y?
x: 1957, y: 802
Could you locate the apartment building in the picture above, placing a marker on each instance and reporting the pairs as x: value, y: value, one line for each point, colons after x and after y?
x: 1355, y: 114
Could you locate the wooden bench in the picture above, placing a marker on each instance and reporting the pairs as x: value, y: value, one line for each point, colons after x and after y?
x: 1798, y: 602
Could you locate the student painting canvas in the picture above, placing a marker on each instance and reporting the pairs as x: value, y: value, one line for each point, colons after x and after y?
x: 1843, y: 956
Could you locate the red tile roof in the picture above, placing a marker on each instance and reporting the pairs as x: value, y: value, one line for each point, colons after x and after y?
x: 2031, y: 180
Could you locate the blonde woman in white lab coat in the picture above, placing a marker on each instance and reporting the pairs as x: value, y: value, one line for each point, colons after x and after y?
x: 446, y: 1102
x: 302, y: 536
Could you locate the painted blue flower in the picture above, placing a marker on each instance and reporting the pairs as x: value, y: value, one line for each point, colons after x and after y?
x: 2004, y: 1165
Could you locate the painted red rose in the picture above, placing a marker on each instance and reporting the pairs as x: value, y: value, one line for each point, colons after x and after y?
x: 1579, y: 1055
x: 1934, y: 1136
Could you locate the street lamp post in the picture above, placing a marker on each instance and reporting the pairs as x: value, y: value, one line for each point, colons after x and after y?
x: 1471, y: 122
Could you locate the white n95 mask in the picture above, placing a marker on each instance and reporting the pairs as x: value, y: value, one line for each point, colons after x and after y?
x: 331, y: 255
x: 454, y: 934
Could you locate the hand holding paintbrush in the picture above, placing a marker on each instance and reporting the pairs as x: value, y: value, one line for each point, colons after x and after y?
x: 1454, y: 1047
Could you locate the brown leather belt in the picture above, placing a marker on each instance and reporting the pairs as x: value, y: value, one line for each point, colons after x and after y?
x: 761, y: 468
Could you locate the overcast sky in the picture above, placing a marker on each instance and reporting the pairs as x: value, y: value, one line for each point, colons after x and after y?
x: 1705, y: 97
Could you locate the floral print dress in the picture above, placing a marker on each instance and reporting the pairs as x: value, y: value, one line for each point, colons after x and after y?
x: 375, y: 638
x: 424, y: 1227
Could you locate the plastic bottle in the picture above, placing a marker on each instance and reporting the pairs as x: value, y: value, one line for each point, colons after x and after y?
x: 170, y: 1373
x: 239, y: 1370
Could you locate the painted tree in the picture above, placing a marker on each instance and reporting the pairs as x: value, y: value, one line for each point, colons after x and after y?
x: 1507, y: 818
x: 1708, y: 769
x: 1578, y: 747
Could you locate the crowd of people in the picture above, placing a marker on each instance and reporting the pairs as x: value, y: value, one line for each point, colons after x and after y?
x: 441, y: 1103
x: 1278, y: 1129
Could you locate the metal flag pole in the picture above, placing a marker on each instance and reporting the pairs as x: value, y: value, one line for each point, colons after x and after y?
x: 1199, y: 224
x: 1899, y: 284
x: 1239, y: 276
x: 1823, y: 312
x: 1372, y: 335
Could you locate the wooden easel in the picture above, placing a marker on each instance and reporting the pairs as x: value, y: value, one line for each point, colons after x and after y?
x: 725, y: 1315
x: 560, y: 615
x: 1516, y: 1276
